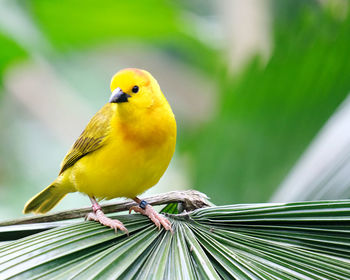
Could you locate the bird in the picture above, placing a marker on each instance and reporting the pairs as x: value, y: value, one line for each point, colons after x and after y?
x: 123, y: 151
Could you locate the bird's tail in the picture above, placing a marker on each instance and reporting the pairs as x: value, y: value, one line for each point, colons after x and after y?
x: 46, y: 199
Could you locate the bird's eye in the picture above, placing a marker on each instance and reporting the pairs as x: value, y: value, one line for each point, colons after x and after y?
x: 135, y: 89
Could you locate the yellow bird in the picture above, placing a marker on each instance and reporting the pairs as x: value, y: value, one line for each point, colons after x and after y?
x: 123, y: 151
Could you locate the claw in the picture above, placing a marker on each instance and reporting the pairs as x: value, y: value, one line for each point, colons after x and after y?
x: 132, y: 208
x: 100, y: 217
x: 158, y: 219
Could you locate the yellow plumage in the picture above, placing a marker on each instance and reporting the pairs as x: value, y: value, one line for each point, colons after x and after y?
x: 123, y: 151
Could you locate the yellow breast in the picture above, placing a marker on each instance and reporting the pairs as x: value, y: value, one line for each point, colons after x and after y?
x: 136, y: 154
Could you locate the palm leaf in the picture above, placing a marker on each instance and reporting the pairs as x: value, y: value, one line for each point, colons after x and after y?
x: 306, y: 240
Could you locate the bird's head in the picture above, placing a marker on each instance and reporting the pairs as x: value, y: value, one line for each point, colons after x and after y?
x: 134, y: 90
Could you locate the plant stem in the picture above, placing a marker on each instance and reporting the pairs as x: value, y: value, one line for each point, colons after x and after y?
x: 190, y: 199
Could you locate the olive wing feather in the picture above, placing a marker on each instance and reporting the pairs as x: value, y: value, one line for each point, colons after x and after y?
x: 91, y: 139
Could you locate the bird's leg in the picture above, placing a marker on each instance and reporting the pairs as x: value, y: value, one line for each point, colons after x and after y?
x: 98, y: 216
x: 145, y: 209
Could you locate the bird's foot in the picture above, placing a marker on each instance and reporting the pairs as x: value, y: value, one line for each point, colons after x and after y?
x: 156, y: 218
x: 100, y: 217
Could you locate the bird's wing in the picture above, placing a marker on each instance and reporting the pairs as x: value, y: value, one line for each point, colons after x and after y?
x: 92, y: 138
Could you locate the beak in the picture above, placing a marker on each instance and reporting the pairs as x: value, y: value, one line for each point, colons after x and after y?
x: 118, y: 96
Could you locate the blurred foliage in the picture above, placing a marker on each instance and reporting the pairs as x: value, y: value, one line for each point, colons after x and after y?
x: 85, y: 24
x: 71, y: 25
x: 10, y: 53
x: 269, y: 114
